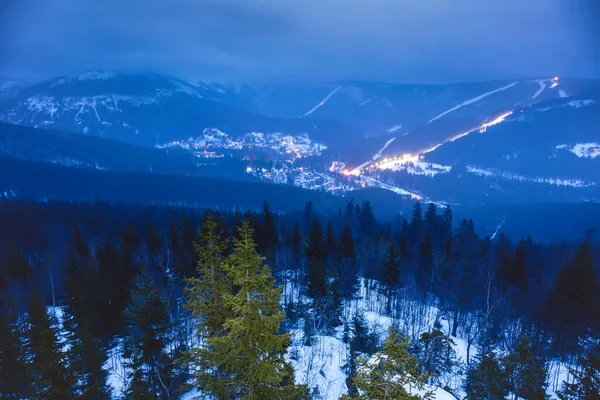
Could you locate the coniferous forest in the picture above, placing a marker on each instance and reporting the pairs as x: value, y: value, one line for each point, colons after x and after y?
x: 107, y: 301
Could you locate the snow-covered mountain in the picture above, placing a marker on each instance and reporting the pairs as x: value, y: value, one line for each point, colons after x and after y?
x: 378, y: 108
x: 474, y: 143
x: 146, y: 109
x: 545, y: 152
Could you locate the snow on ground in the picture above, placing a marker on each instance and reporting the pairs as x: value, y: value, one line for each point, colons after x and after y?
x: 575, y: 183
x: 586, y: 150
x: 378, y: 154
x: 366, y: 102
x: 542, y: 83
x: 394, y: 128
x: 321, y: 365
x: 562, y: 93
x: 322, y: 102
x: 572, y: 103
x: 473, y: 100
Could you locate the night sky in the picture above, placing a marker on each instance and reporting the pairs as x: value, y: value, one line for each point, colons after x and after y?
x: 425, y: 41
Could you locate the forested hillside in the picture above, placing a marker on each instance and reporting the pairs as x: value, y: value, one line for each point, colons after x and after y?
x: 107, y: 301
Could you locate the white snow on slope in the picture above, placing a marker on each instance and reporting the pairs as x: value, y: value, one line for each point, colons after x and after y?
x: 322, y: 102
x: 366, y: 101
x: 394, y: 128
x: 473, y: 100
x: 572, y: 103
x: 87, y: 76
x: 562, y: 93
x: 542, y: 83
x: 575, y: 183
x: 378, y: 154
x: 583, y: 150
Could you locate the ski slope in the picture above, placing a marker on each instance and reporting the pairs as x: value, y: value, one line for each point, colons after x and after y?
x: 473, y: 100
x: 321, y: 103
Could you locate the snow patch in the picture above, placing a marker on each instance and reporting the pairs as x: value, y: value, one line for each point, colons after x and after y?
x: 394, y: 129
x: 575, y: 183
x: 583, y: 150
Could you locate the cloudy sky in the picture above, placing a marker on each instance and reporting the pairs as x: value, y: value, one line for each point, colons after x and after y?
x: 429, y: 41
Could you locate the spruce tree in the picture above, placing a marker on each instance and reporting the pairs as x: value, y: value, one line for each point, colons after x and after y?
x: 205, y: 302
x: 571, y: 304
x: 392, y: 268
x: 347, y: 243
x: 486, y: 379
x: 13, y: 370
x: 152, y: 374
x: 250, y: 350
x: 388, y: 374
x: 525, y: 371
x: 437, y: 355
x: 585, y: 384
x: 205, y: 291
x: 416, y: 223
x: 47, y: 371
x: 87, y: 333
x: 316, y: 255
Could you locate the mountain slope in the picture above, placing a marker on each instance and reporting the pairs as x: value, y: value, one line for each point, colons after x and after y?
x: 147, y: 109
x: 89, y: 152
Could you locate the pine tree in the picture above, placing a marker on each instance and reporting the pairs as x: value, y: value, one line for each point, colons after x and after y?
x: 525, y: 371
x: 206, y: 290
x: 316, y: 254
x: 586, y: 378
x: 270, y: 233
x: 387, y: 375
x: 416, y: 223
x: 486, y: 380
x: 347, y: 243
x: 250, y: 350
x: 571, y: 303
x: 392, y: 268
x: 205, y: 302
x: 447, y: 220
x: 152, y: 373
x: 13, y: 370
x: 49, y: 377
x: 85, y: 298
x: 425, y: 272
x: 437, y: 354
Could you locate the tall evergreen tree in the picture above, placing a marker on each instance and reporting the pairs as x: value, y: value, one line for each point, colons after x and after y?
x: 250, y: 350
x: 85, y: 300
x: 416, y: 223
x: 571, y: 304
x: 392, y: 268
x: 316, y: 255
x: 586, y: 378
x: 205, y: 302
x: 347, y: 243
x: 486, y: 379
x: 48, y: 374
x: 206, y: 290
x: 525, y: 371
x: 14, y: 381
x: 152, y: 369
x: 437, y: 355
